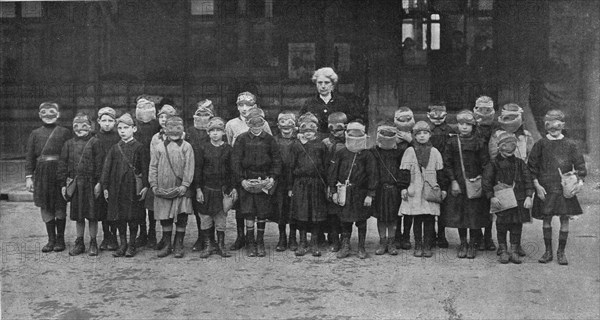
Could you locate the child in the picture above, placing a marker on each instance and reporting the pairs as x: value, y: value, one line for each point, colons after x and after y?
x: 511, y: 121
x: 198, y: 137
x: 246, y: 101
x: 404, y: 120
x: 306, y: 185
x: 425, y: 164
x: 391, y: 180
x: 124, y: 194
x: 550, y: 156
x: 355, y: 168
x: 106, y: 137
x: 165, y: 112
x: 257, y: 165
x: 147, y: 126
x: 461, y: 212
x: 484, y: 114
x: 214, y: 180
x: 440, y: 133
x: 171, y: 172
x: 286, y: 122
x: 336, y: 123
x: 508, y: 169
x: 41, y: 177
x: 77, y: 164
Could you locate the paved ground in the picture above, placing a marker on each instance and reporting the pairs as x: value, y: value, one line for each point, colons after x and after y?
x: 36, y: 285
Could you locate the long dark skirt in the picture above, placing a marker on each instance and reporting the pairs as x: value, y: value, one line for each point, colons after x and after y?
x: 46, y: 189
x: 462, y: 212
x: 555, y: 205
x: 514, y: 215
x: 309, y: 201
x: 354, y: 210
x: 213, y: 202
x: 83, y: 201
x: 386, y: 203
x: 282, y: 212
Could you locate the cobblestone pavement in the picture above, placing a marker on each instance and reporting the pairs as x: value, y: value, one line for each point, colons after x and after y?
x: 36, y: 285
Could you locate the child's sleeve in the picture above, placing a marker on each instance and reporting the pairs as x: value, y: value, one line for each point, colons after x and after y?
x: 142, y: 164
x: 105, y: 178
x: 63, y: 165
x: 289, y: 170
x: 440, y: 176
x: 484, y: 155
x: 373, y: 177
x: 493, y: 146
x: 408, y: 160
x: 333, y: 169
x: 276, y: 161
x: 487, y: 181
x: 528, y: 179
x: 236, y: 160
x: 199, y: 167
x: 229, y: 179
x: 153, y: 168
x: 448, y: 158
x: 188, y: 168
x: 578, y: 162
x: 30, y: 158
x: 533, y: 163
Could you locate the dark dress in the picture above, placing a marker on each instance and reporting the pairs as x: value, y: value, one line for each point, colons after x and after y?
x: 333, y: 144
x: 363, y: 182
x: 46, y: 187
x: 307, y: 181
x: 78, y: 162
x: 215, y: 177
x: 281, y: 202
x: 507, y: 171
x: 322, y: 110
x: 119, y: 179
x: 391, y: 180
x: 546, y: 157
x: 104, y: 141
x: 440, y: 135
x: 255, y: 157
x: 460, y: 211
x: 197, y: 138
x: 145, y: 132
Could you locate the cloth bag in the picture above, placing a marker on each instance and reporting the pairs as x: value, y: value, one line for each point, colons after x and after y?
x: 341, y: 187
x: 473, y: 185
x: 432, y: 193
x: 506, y: 195
x: 570, y: 183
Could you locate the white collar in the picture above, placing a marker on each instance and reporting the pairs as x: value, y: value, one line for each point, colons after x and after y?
x: 553, y: 138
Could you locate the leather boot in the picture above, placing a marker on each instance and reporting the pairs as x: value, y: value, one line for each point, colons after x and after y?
x: 166, y: 247
x: 60, y: 236
x: 122, y: 247
x: 418, y: 249
x: 292, y: 243
x: 362, y: 236
x: 405, y: 245
x: 142, y: 239
x: 112, y: 244
x: 151, y: 239
x: 78, y: 248
x: 207, y: 249
x: 547, y: 257
x: 251, y: 249
x: 282, y: 243
x: 472, y: 249
x: 163, y: 242
x: 105, y: 241
x: 314, y: 247
x: 427, y: 248
x: 303, y: 246
x: 520, y: 251
x: 391, y: 248
x: 131, y: 248
x: 561, y: 257
x: 240, y: 241
x: 345, y: 249
x: 382, y: 246
x: 441, y: 241
x: 514, y: 255
x: 462, y: 249
x: 178, y: 248
x: 562, y: 244
x: 51, y: 230
x: 198, y: 245
x: 93, y: 248
x: 260, y: 243
x: 335, y: 242
x: 504, y: 257
x: 221, y: 244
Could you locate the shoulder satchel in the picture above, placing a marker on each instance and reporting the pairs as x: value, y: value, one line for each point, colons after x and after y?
x: 71, y: 184
x: 188, y: 193
x: 505, y: 194
x: 139, y: 183
x: 569, y: 183
x: 386, y: 168
x: 473, y: 185
x: 431, y: 193
x: 341, y: 187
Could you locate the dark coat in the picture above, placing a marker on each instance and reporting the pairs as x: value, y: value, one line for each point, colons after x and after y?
x: 440, y: 135
x: 46, y: 187
x: 460, y: 211
x: 119, y: 179
x: 105, y: 141
x: 391, y: 180
x: 547, y: 156
x: 337, y: 103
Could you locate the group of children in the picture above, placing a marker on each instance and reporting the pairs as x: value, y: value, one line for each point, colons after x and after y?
x: 312, y: 181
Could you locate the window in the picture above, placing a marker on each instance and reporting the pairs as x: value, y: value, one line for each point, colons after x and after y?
x: 203, y: 7
x: 31, y: 9
x: 8, y: 10
x: 421, y: 31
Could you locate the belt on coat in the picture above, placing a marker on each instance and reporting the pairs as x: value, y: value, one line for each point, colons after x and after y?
x: 49, y: 157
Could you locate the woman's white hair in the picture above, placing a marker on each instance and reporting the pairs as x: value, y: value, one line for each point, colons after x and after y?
x: 327, y: 72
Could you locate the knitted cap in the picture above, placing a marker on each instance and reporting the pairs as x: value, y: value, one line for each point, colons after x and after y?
x: 247, y: 98
x: 168, y: 110
x: 421, y: 126
x: 126, y: 119
x: 216, y: 123
x: 108, y: 111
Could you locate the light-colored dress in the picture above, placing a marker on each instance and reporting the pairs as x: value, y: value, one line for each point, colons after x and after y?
x: 161, y: 176
x: 416, y: 204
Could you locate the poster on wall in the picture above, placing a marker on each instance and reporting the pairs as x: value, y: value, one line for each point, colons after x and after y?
x: 341, y: 57
x: 301, y: 60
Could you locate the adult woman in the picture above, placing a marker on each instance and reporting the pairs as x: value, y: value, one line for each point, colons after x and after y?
x: 327, y: 100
